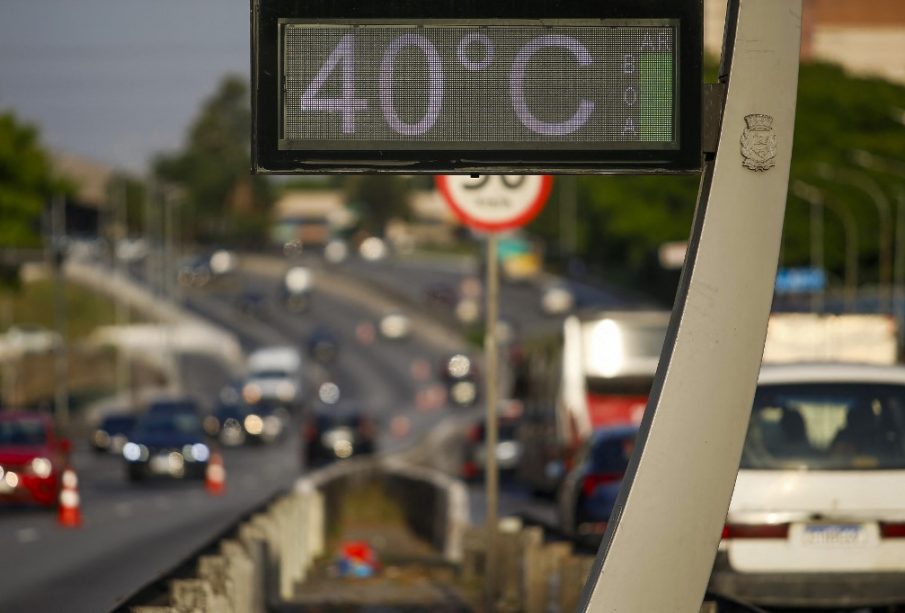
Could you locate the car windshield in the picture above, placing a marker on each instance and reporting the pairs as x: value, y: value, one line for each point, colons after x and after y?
x: 827, y: 426
x: 270, y: 374
x: 174, y: 406
x: 179, y: 423
x: 25, y: 432
x: 115, y: 425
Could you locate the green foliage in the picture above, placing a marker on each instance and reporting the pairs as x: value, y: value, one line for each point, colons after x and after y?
x: 25, y: 183
x: 623, y: 220
x: 376, y: 199
x: 213, y: 167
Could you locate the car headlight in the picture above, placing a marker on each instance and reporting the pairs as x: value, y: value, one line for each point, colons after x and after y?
x: 298, y: 280
x: 254, y: 425
x: 285, y: 391
x: 101, y: 439
x: 251, y: 393
x: 41, y: 467
x: 133, y: 452
x: 199, y: 452
x: 463, y: 392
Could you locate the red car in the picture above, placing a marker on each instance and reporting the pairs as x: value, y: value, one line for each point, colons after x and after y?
x: 32, y: 458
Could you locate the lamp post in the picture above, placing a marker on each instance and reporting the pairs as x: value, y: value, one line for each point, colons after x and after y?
x: 815, y: 197
x: 875, y: 163
x: 884, y: 214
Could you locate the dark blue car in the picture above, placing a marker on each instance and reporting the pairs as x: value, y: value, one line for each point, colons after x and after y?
x: 589, y: 491
x: 168, y: 444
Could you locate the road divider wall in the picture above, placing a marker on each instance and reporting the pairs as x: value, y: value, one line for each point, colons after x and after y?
x: 261, y: 562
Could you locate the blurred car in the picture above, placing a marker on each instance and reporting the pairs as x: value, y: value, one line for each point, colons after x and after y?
x: 265, y: 422
x: 296, y: 289
x: 508, y: 449
x: 556, y: 299
x: 817, y: 518
x: 32, y: 458
x: 337, y: 433
x: 227, y: 423
x: 194, y: 272
x: 274, y: 374
x: 394, y: 326
x: 166, y: 405
x: 373, y: 249
x: 112, y: 433
x: 323, y: 345
x: 588, y: 493
x: 169, y: 442
x: 459, y: 374
x: 251, y: 302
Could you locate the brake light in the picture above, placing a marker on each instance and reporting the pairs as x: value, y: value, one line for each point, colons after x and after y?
x: 892, y: 530
x: 591, y: 482
x: 755, y: 531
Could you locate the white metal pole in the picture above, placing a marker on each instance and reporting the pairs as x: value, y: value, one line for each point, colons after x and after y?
x: 660, y: 543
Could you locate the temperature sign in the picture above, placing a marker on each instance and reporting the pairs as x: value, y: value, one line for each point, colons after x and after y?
x: 479, y: 94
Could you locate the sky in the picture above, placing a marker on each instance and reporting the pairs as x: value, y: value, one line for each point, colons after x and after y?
x: 117, y: 81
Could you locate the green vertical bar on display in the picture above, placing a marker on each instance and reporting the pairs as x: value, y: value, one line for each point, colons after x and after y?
x: 657, y: 97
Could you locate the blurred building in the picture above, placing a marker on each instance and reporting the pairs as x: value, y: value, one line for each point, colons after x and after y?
x: 867, y: 37
x: 91, y: 183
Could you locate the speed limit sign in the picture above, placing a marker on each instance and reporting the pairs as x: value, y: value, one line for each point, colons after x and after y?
x: 494, y: 203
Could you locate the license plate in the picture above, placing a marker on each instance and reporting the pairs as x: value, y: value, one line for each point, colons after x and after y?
x: 835, y: 535
x: 4, y: 487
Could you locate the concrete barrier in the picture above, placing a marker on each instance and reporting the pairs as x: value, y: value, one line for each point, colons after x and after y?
x: 260, y: 564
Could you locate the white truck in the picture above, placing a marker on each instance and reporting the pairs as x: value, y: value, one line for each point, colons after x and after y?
x: 274, y: 374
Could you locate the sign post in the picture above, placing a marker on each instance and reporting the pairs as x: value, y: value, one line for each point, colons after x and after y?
x: 493, y: 204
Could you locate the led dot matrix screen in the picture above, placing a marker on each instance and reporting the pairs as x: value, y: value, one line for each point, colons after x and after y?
x: 472, y: 86
x: 609, y: 85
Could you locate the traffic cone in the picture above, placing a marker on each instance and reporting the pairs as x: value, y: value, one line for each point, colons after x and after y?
x: 69, y: 511
x: 215, y: 475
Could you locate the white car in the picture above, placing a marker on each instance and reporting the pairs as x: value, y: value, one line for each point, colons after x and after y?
x: 274, y: 374
x: 817, y: 518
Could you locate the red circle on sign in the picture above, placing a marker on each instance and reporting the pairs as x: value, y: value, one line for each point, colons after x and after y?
x: 535, y: 207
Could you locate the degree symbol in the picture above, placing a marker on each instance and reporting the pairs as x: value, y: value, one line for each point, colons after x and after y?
x: 468, y: 39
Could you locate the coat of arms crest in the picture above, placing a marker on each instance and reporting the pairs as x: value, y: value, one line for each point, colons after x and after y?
x: 759, y: 143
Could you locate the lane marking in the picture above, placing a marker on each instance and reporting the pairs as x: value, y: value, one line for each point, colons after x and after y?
x: 27, y: 535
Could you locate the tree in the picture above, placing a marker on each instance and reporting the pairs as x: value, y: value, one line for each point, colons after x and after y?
x: 213, y: 167
x: 377, y: 199
x: 625, y: 219
x: 26, y: 182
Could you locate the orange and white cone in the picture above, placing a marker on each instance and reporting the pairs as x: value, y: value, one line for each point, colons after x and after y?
x: 69, y: 512
x: 215, y: 475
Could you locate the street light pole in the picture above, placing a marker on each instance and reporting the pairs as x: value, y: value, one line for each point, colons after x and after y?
x: 870, y: 161
x: 815, y: 197
x: 884, y: 215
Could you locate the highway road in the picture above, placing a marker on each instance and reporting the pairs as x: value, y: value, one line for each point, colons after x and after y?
x: 133, y: 533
